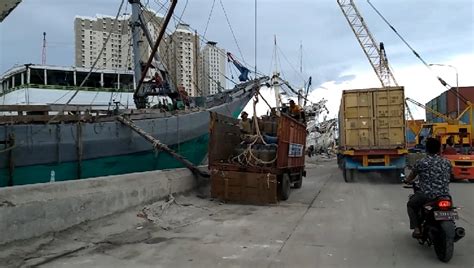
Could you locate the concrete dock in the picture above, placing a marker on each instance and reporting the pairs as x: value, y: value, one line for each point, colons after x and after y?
x: 327, y: 223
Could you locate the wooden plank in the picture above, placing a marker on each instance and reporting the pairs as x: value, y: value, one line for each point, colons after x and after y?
x: 244, y: 187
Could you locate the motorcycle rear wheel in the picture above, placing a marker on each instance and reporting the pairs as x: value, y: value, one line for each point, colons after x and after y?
x: 444, y: 241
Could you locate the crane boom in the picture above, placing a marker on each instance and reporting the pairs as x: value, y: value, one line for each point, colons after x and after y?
x: 440, y: 115
x: 375, y: 52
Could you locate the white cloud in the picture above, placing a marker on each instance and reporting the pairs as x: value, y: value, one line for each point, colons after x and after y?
x: 420, y: 84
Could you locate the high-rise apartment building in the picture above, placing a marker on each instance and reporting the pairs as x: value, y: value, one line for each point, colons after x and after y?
x: 91, y: 35
x: 182, y: 59
x: 213, y: 69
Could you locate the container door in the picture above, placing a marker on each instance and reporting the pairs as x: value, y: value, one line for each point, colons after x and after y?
x: 389, y: 118
x: 358, y: 125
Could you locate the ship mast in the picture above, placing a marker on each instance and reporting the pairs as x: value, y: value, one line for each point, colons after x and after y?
x: 135, y: 27
x: 144, y: 89
x: 275, y: 81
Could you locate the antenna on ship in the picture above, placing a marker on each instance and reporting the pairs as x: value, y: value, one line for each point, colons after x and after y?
x: 43, y: 53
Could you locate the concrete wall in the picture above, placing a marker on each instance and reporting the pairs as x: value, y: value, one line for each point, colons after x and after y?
x: 32, y: 210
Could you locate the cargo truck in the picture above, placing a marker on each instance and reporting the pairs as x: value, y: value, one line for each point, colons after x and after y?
x: 372, y: 131
x: 260, y: 173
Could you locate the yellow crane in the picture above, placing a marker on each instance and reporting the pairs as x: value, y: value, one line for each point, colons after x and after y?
x: 454, y: 127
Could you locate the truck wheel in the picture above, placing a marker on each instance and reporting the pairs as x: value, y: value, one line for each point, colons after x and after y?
x: 348, y: 175
x: 285, y: 187
x: 299, y: 181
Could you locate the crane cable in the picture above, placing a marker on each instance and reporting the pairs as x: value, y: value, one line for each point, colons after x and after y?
x: 441, y: 80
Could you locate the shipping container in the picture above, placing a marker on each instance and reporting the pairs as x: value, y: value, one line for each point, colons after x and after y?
x: 441, y: 101
x: 372, y: 131
x: 452, y: 99
x: 279, y: 164
x: 372, y: 119
x: 447, y: 103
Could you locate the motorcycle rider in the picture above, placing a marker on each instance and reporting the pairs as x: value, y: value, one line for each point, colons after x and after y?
x: 434, y: 173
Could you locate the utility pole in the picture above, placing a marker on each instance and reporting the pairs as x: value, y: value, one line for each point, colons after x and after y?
x: 43, y: 53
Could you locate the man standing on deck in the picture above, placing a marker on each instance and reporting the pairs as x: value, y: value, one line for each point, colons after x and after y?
x: 244, y: 124
x: 295, y: 111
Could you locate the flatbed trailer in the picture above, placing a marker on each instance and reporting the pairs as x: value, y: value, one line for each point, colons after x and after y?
x: 352, y: 161
x: 258, y: 183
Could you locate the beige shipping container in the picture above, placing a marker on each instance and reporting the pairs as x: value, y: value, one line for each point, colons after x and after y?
x: 372, y: 119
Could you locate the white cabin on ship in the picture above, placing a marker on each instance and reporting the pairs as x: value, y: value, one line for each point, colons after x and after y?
x: 46, y: 84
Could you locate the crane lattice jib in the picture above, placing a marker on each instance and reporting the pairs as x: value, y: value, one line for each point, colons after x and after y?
x: 440, y: 115
x: 410, y: 114
x: 372, y: 50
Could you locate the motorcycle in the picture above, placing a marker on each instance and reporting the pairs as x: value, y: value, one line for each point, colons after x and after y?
x: 438, y: 226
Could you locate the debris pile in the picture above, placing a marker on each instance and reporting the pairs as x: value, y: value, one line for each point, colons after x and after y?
x: 322, y: 133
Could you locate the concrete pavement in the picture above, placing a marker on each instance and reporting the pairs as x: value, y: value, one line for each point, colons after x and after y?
x: 327, y: 223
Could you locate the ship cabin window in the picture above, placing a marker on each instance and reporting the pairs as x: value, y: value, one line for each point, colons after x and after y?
x: 37, y: 76
x: 110, y: 80
x: 17, y: 80
x: 126, y: 82
x: 60, y: 78
x: 92, y: 81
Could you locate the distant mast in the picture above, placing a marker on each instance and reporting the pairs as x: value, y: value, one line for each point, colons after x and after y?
x: 275, y: 81
x: 135, y: 27
x: 43, y: 53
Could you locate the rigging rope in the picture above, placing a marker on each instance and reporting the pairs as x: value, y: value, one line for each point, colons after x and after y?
x: 209, y: 18
x: 98, y: 56
x: 180, y: 64
x: 232, y: 31
x: 204, y: 40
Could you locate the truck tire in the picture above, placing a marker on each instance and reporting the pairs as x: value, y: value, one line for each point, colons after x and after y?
x: 285, y: 187
x: 299, y: 181
x: 348, y: 175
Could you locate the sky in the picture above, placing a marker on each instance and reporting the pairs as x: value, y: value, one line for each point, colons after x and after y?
x: 441, y: 31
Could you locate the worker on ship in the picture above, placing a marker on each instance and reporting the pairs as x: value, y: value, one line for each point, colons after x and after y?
x: 295, y: 111
x: 245, y: 124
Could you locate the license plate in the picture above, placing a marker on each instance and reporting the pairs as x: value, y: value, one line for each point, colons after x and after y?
x: 446, y: 215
